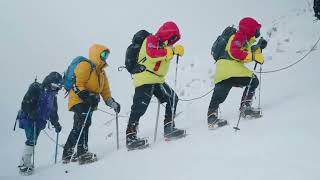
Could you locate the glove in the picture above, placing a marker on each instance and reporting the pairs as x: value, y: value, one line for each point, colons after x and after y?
x: 33, y: 115
x: 113, y: 104
x: 170, y: 53
x: 57, y: 127
x: 90, y: 99
x: 262, y: 43
x: 258, y: 57
x: 178, y: 50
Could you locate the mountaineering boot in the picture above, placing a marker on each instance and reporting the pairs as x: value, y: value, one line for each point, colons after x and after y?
x: 87, y: 158
x: 132, y: 142
x: 170, y: 132
x: 26, y: 167
x: 213, y: 120
x: 66, y: 155
x: 250, y: 112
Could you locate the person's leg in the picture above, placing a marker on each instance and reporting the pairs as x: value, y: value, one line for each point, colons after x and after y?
x: 247, y: 96
x: 219, y: 95
x: 248, y: 92
x: 165, y: 94
x: 28, y: 148
x: 80, y: 112
x: 141, y: 100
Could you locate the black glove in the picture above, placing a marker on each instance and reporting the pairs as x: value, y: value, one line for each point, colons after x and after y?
x: 57, y: 127
x: 33, y: 115
x: 93, y: 100
x: 88, y: 98
x: 263, y: 43
x: 113, y: 104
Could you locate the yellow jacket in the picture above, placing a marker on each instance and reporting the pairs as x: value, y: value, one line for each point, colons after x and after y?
x: 150, y: 76
x: 95, y: 81
x: 227, y: 68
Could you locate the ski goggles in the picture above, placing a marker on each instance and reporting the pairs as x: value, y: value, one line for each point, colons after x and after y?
x: 104, y: 55
x: 172, y: 39
x: 56, y: 86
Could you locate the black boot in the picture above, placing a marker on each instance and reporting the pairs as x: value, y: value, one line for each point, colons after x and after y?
x: 132, y: 141
x: 170, y: 132
x: 214, y: 121
x: 248, y: 111
x: 87, y: 158
x: 66, y: 155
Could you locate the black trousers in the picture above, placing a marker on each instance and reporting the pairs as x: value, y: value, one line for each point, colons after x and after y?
x: 142, y: 97
x: 80, y: 113
x: 222, y: 89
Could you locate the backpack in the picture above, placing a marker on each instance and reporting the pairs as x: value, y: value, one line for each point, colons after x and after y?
x: 69, y: 78
x: 316, y: 7
x: 219, y: 45
x: 132, y: 53
x: 31, y: 98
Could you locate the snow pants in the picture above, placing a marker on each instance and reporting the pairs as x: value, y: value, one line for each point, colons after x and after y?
x: 222, y: 89
x: 142, y: 97
x: 80, y: 113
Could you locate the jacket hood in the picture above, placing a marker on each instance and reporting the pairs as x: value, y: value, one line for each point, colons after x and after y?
x: 167, y: 30
x: 249, y: 26
x: 53, y: 77
x: 94, y: 55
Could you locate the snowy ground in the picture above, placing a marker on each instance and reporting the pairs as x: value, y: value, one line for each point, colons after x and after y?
x: 38, y: 37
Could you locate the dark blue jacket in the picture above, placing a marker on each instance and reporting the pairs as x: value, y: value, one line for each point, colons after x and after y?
x: 38, y: 105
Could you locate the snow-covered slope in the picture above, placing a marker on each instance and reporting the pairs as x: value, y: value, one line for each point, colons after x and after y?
x: 38, y: 37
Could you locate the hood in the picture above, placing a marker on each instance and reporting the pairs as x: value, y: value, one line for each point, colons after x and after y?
x: 249, y: 26
x: 94, y: 55
x: 53, y: 77
x: 167, y: 30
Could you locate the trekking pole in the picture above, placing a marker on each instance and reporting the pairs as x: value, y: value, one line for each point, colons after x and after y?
x: 245, y: 98
x: 260, y: 80
x: 56, y: 153
x: 174, y: 90
x: 117, y: 129
x: 83, y: 125
x: 34, y: 141
x: 157, y: 120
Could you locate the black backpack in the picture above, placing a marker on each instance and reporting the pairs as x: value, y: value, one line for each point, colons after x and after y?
x: 132, y: 54
x: 316, y: 8
x: 219, y: 45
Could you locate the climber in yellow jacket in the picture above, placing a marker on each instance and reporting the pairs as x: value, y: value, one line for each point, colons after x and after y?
x: 91, y: 83
x: 232, y: 72
x: 155, y: 55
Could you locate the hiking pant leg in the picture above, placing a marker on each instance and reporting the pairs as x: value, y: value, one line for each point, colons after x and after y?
x: 244, y: 81
x: 219, y: 95
x: 29, y: 132
x: 80, y: 112
x: 141, y: 100
x: 166, y: 94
